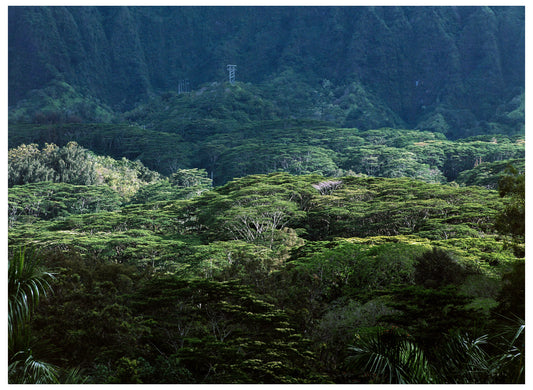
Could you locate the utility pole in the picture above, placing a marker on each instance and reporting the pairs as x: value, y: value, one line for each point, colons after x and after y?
x: 231, y: 70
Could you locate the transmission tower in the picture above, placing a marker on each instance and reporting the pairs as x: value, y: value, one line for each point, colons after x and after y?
x: 231, y: 70
x: 183, y: 86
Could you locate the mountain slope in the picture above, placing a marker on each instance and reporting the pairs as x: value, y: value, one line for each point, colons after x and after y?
x: 434, y: 67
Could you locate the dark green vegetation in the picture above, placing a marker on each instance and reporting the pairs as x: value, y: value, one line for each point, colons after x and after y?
x: 275, y: 279
x: 297, y: 147
x: 454, y: 70
x: 351, y: 210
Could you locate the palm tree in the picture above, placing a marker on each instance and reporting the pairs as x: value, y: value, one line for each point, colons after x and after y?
x: 27, y: 284
x: 509, y: 365
x: 389, y: 356
x: 462, y: 359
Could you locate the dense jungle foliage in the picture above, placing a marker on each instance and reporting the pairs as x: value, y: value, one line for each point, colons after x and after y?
x: 274, y: 279
x: 350, y: 210
x: 454, y: 70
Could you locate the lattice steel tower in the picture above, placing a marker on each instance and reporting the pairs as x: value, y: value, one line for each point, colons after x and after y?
x: 183, y: 87
x: 231, y: 70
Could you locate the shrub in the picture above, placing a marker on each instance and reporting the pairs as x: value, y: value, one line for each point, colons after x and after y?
x: 437, y: 268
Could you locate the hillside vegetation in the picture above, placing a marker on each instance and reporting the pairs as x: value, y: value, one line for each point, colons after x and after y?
x: 455, y: 70
x: 350, y: 210
x: 182, y: 281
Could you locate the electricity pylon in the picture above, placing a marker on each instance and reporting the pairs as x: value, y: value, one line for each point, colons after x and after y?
x: 231, y: 70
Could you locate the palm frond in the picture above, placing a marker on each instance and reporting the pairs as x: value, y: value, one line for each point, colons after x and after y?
x: 27, y: 284
x: 25, y: 368
x: 73, y: 376
x: 463, y: 359
x: 510, y: 366
x: 390, y: 357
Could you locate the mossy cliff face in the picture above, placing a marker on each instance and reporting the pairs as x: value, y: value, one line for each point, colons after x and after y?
x: 436, y: 68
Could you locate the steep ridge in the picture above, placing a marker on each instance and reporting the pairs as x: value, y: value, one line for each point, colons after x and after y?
x: 435, y: 68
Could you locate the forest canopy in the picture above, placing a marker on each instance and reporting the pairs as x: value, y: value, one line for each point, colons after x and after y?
x: 350, y: 208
